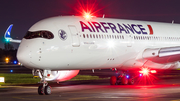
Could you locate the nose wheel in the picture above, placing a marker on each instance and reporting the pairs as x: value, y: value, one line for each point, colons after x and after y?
x: 44, y: 88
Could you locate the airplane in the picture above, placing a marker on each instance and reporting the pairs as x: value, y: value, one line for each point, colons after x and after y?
x: 57, y: 48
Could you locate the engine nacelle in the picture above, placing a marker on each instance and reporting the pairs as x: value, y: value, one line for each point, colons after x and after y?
x: 62, y: 75
x: 58, y: 76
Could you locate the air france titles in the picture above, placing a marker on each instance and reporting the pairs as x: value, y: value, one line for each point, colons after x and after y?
x: 118, y: 28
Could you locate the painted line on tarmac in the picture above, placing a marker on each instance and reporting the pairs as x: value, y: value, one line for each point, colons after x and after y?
x: 18, y: 87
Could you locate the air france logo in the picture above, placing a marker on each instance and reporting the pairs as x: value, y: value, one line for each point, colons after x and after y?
x: 62, y: 34
x: 116, y: 28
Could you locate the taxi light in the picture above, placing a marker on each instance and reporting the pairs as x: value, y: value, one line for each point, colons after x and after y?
x: 7, y: 59
x: 15, y: 62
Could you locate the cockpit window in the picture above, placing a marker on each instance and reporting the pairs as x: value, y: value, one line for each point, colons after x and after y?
x: 39, y: 34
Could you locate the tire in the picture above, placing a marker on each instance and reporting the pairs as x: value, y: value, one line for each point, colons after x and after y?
x: 124, y: 80
x: 40, y: 90
x: 47, y: 90
x: 113, y: 80
x: 131, y: 81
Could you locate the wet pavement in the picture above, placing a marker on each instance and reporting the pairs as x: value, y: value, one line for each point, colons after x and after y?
x: 164, y: 87
x: 96, y: 91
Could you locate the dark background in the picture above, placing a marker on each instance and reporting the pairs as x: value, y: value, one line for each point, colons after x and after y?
x: 24, y: 13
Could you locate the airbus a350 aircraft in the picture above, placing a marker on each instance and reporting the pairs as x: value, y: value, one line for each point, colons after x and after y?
x: 57, y: 48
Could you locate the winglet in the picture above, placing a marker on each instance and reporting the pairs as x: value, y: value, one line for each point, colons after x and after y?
x: 7, y: 35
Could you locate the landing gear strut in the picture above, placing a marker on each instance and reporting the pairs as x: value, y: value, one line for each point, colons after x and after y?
x: 122, y: 78
x: 44, y: 88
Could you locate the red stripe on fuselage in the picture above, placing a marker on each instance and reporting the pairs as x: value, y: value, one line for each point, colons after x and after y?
x: 150, y: 30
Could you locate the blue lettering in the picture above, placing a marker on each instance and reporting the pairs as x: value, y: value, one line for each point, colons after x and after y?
x: 142, y: 29
x: 97, y: 26
x: 128, y: 28
x: 113, y: 27
x: 91, y: 26
x: 105, y: 28
x: 84, y: 26
x: 121, y: 28
x: 133, y: 25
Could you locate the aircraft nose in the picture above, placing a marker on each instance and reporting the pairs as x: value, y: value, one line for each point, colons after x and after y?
x: 23, y: 55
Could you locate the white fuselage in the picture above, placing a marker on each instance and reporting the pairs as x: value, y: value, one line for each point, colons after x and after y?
x: 101, y: 43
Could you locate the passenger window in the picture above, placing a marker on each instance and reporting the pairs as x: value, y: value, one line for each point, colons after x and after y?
x: 93, y: 36
x: 90, y: 36
x: 105, y: 36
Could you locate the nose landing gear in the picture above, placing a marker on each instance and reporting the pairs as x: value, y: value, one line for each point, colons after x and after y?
x: 44, y: 88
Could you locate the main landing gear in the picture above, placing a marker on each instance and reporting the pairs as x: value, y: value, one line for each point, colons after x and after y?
x: 44, y: 88
x: 122, y: 78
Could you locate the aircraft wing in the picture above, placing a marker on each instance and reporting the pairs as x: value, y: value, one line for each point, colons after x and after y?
x: 7, y: 35
x: 161, y: 55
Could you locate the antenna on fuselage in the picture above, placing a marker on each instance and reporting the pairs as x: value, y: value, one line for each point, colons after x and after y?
x: 172, y: 21
x: 103, y: 15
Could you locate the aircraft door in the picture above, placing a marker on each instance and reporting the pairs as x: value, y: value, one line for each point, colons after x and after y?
x: 75, y: 36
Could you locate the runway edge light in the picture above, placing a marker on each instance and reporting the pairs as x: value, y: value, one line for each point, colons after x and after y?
x: 2, y: 80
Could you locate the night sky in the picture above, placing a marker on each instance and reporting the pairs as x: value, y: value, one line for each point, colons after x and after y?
x: 24, y: 13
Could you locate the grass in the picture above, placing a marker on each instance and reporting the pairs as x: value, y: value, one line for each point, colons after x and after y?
x: 86, y: 77
x: 18, y: 79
